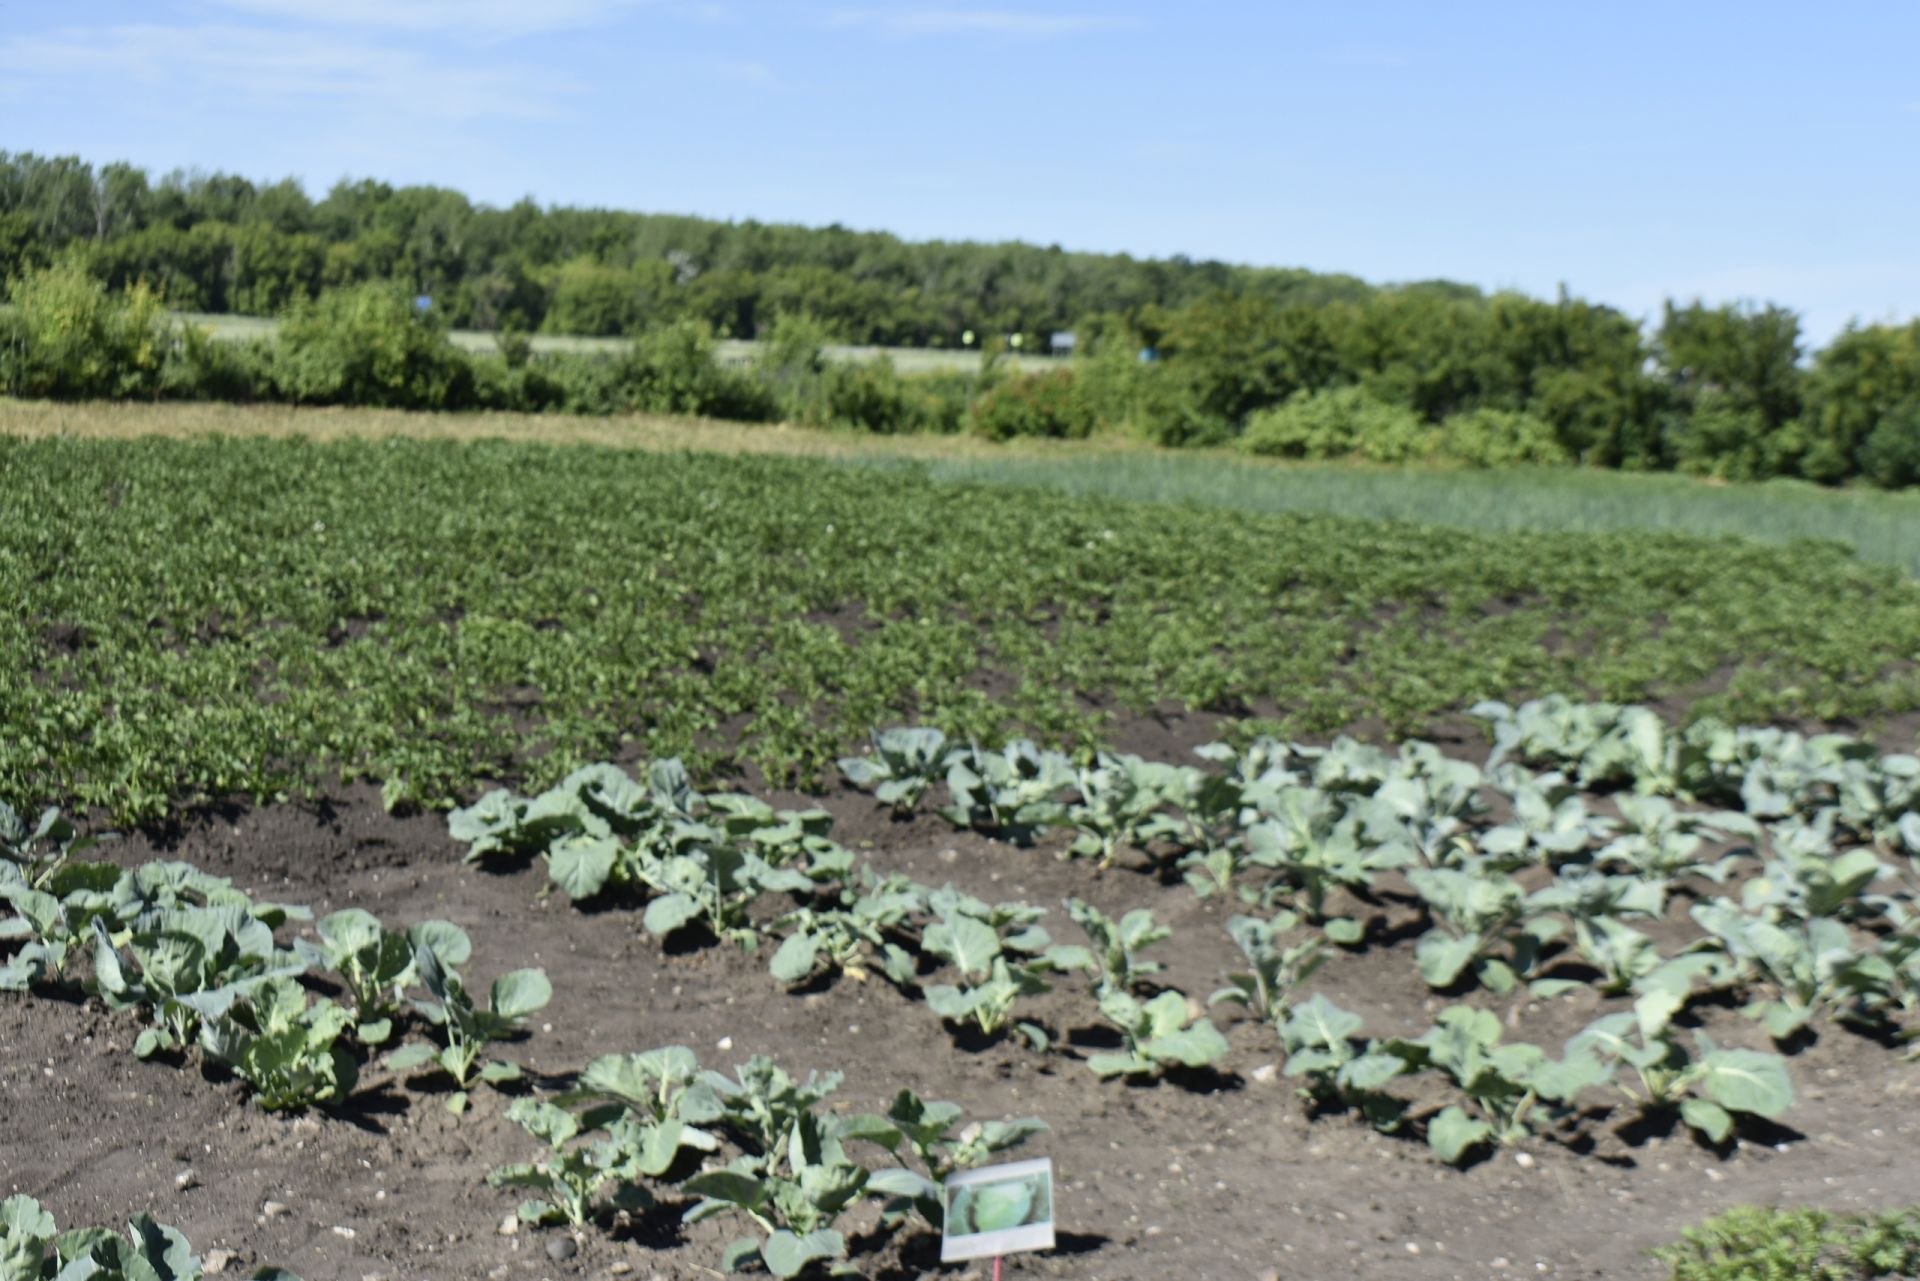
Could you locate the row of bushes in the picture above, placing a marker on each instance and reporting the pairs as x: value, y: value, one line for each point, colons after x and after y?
x: 67, y: 336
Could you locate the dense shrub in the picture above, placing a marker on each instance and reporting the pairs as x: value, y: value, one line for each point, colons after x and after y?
x: 1498, y: 438
x: 671, y: 369
x: 67, y: 336
x: 1857, y: 381
x: 1891, y: 454
x: 1752, y: 1244
x: 1720, y: 438
x: 1341, y: 423
x: 201, y: 367
x: 1042, y: 404
x: 369, y: 345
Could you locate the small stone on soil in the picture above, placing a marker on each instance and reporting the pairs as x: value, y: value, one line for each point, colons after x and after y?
x: 509, y: 1225
x: 561, y: 1248
x: 216, y: 1262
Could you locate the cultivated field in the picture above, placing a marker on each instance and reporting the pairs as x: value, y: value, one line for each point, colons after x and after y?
x: 1308, y: 957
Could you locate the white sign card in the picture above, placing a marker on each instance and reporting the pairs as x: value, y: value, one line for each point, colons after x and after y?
x: 999, y: 1209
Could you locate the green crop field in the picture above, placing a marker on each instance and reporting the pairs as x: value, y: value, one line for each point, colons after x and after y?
x: 1090, y: 732
x: 1876, y: 524
x: 244, y: 615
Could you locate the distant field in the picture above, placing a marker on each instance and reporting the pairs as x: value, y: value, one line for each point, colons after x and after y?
x: 1878, y: 526
x: 908, y: 360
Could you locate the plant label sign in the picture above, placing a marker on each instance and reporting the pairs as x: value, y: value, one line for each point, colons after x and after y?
x: 998, y: 1210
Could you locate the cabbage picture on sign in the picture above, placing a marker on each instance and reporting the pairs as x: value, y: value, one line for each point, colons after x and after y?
x: 998, y: 1210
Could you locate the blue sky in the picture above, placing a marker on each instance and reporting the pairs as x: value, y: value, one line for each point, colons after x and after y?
x: 1633, y: 151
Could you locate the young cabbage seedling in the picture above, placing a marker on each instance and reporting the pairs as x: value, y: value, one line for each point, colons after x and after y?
x: 991, y: 970
x: 375, y: 964
x: 1274, y: 969
x: 573, y: 1175
x: 33, y: 856
x: 1502, y: 1084
x: 795, y: 1177
x: 928, y: 1130
x: 1475, y: 912
x: 1596, y: 904
x: 1114, y: 959
x: 287, y: 1048
x: 1159, y: 1034
x: 468, y: 1028
x: 33, y: 1249
x: 1012, y: 793
x: 190, y: 964
x: 653, y: 1105
x: 902, y: 765
x: 52, y: 924
x: 1706, y: 1091
x: 1123, y: 803
x: 1318, y: 1037
x: 1816, y: 966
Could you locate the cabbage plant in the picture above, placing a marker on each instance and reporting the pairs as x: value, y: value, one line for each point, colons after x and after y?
x: 468, y: 1028
x: 901, y: 766
x: 33, y: 1249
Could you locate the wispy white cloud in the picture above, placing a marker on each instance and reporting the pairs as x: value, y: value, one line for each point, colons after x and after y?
x: 258, y: 67
x: 1005, y: 22
x: 486, y: 18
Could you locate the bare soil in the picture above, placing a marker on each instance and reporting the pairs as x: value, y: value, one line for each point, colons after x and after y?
x: 1215, y: 1176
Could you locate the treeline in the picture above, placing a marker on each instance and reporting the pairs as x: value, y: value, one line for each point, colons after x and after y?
x: 221, y: 243
x: 1722, y: 390
x: 1395, y: 378
x: 1281, y: 362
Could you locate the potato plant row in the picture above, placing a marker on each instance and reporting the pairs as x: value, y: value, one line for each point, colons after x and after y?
x: 200, y: 620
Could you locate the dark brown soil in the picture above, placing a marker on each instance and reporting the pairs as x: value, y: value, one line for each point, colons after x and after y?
x: 1224, y: 1177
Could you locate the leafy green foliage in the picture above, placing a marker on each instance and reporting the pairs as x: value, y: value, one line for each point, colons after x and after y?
x: 1043, y: 405
x: 467, y: 1027
x: 33, y: 1249
x: 903, y: 763
x: 1488, y: 437
x: 1749, y: 1243
x: 1012, y: 793
x: 1706, y: 1091
x: 795, y: 1177
x: 1502, y: 1083
x: 376, y: 964
x: 1274, y: 967
x: 1338, y: 423
x: 1159, y: 1033
x: 932, y: 1133
x: 66, y: 336
x: 287, y: 1048
x: 459, y: 633
x: 1113, y: 960
x: 1319, y: 1039
x: 997, y: 952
